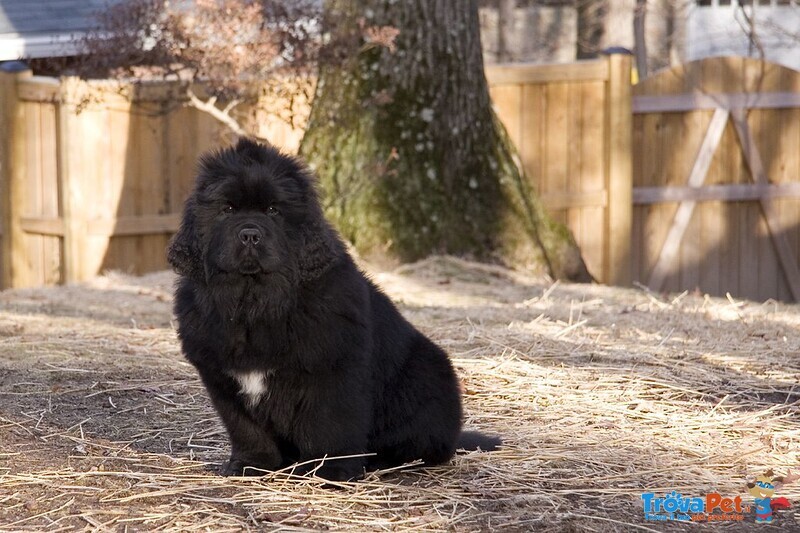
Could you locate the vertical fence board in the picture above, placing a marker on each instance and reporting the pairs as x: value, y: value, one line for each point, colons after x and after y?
x: 116, y: 123
x: 531, y: 142
x: 508, y: 103
x: 556, y: 142
x: 180, y: 166
x: 620, y: 191
x: 153, y: 192
x: 123, y: 248
x: 33, y: 191
x: 574, y: 174
x: 593, y: 240
x: 72, y: 173
x: 50, y: 200
x: 15, y: 266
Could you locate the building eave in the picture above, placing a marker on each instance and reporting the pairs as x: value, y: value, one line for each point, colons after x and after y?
x: 15, y: 46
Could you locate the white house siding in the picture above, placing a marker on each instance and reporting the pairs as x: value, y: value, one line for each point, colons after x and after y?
x: 718, y: 27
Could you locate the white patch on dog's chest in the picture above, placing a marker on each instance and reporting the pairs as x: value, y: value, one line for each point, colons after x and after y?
x: 253, y: 385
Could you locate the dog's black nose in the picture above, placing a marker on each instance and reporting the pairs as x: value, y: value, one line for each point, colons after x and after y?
x: 250, y: 236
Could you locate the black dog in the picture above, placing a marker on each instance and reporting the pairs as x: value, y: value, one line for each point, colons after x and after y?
x: 303, y: 357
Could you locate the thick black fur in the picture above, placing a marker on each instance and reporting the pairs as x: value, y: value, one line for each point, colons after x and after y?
x: 343, y: 372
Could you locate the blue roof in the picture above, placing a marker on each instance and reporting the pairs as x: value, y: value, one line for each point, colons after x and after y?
x: 41, y: 28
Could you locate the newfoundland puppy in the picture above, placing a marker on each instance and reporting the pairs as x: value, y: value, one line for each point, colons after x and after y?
x: 304, y: 359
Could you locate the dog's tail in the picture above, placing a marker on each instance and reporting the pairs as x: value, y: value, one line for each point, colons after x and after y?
x: 475, y: 440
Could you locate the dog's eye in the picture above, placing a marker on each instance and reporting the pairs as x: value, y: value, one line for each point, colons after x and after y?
x: 228, y: 210
x: 272, y: 211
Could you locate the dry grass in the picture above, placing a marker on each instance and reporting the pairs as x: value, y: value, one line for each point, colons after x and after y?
x: 599, y: 393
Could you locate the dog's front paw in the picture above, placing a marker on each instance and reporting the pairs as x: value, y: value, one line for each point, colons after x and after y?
x: 333, y: 470
x: 232, y: 467
x: 340, y: 473
x: 238, y: 467
x: 250, y: 463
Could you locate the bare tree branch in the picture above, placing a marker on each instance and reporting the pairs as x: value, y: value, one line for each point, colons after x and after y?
x: 222, y: 115
x: 748, y: 25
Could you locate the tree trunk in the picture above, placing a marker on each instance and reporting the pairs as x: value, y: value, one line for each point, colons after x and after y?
x: 505, y: 26
x: 604, y: 24
x: 639, y: 38
x: 411, y: 157
x: 591, y: 27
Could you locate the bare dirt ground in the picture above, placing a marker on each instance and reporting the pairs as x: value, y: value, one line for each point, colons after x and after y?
x: 600, y: 393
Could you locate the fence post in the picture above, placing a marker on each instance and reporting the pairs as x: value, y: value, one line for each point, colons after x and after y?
x: 73, y: 205
x: 12, y: 174
x: 619, y: 171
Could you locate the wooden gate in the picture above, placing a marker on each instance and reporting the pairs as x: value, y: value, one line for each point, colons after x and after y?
x: 716, y: 169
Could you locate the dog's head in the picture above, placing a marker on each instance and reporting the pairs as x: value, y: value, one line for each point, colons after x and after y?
x: 253, y: 214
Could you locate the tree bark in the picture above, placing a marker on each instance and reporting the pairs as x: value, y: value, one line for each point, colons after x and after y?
x: 505, y: 25
x: 591, y: 27
x: 639, y: 38
x: 411, y: 157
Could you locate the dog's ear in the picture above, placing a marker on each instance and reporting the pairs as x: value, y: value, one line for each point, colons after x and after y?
x: 184, y: 252
x: 321, y: 246
x: 321, y: 249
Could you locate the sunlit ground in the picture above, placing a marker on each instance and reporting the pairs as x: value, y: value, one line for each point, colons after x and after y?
x: 600, y: 394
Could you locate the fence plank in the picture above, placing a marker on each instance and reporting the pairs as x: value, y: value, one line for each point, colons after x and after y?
x: 508, y: 102
x: 532, y: 127
x: 50, y: 200
x: 39, y: 89
x: 556, y: 143
x: 135, y: 225
x: 8, y: 102
x: 12, y: 134
x: 574, y: 163
x: 42, y: 226
x: 619, y: 213
x: 593, y: 181
x: 679, y: 103
x: 708, y: 193
x: 152, y: 196
x: 34, y: 191
x: 522, y: 73
x: 73, y: 201
x: 123, y: 149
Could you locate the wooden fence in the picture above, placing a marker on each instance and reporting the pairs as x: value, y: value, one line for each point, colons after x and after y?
x: 94, y: 175
x: 572, y: 126
x: 711, y: 174
x: 688, y: 180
